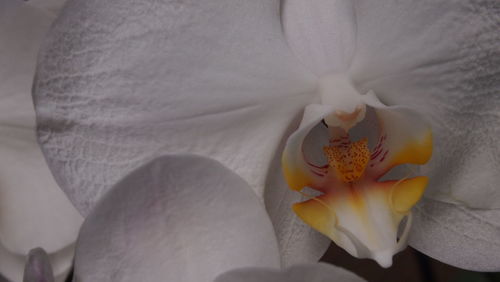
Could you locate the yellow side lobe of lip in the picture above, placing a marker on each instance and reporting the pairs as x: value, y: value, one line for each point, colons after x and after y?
x: 294, y: 176
x: 318, y: 215
x: 416, y: 151
x: 405, y: 194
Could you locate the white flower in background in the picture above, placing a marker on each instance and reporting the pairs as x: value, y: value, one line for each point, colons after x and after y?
x: 33, y: 209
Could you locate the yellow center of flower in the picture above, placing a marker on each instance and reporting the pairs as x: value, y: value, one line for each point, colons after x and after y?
x: 349, y: 159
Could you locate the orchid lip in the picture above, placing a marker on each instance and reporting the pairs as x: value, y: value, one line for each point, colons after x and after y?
x: 357, y: 210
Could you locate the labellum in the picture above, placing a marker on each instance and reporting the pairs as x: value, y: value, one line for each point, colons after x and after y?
x: 363, y: 139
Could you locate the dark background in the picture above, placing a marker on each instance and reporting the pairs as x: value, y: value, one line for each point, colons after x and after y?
x: 408, y: 266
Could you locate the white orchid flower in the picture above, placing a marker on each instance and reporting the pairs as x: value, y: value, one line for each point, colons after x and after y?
x: 160, y: 223
x: 121, y: 82
x: 33, y: 209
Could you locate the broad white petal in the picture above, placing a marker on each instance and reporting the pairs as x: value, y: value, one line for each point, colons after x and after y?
x: 178, y: 218
x: 440, y: 58
x: 459, y: 236
x: 121, y: 82
x: 321, y: 33
x: 38, y: 268
x: 319, y: 272
x: 34, y: 212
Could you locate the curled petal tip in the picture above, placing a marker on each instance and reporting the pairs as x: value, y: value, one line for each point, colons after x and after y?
x: 384, y: 258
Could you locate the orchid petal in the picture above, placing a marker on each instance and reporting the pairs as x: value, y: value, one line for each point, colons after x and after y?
x: 38, y: 268
x: 33, y: 210
x: 178, y: 218
x: 319, y: 272
x: 321, y: 33
x: 116, y: 87
x: 391, y: 36
x: 459, y: 236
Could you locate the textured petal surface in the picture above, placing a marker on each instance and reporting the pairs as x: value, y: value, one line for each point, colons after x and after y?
x: 319, y: 272
x: 38, y: 268
x: 178, y: 218
x: 120, y: 82
x: 321, y: 33
x: 453, y: 80
x: 33, y: 210
x: 459, y: 236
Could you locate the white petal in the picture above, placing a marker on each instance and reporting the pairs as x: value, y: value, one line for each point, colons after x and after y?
x: 319, y: 272
x: 179, y: 218
x: 394, y: 36
x: 322, y: 33
x: 462, y: 237
x: 119, y: 86
x: 452, y: 80
x: 38, y: 267
x: 34, y: 212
